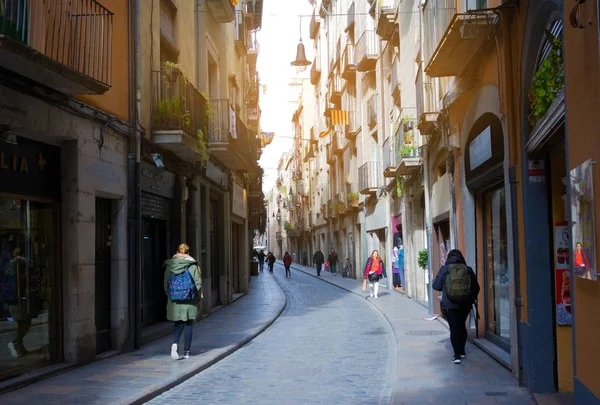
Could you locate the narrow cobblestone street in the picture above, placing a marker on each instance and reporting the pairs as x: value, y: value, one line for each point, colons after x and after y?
x: 328, y: 347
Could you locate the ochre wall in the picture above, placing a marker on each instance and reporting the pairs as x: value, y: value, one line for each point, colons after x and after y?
x: 115, y: 100
x: 583, y: 112
x: 564, y: 341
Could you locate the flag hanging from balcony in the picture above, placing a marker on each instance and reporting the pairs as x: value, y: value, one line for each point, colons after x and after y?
x: 266, y: 138
x: 339, y: 117
x: 232, y: 122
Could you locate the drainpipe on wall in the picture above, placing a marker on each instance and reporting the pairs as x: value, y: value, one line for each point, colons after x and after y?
x: 428, y: 227
x: 512, y: 176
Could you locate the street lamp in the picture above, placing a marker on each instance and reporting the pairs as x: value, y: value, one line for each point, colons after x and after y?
x: 300, y: 62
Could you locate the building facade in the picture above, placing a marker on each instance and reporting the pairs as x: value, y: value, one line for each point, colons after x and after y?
x: 139, y: 145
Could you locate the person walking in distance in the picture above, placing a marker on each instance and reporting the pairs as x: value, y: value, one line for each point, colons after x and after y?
x: 333, y: 262
x: 183, y: 286
x: 459, y: 287
x: 261, y: 260
x: 271, y: 261
x: 287, y: 262
x: 395, y: 274
x: 374, y: 270
x: 318, y: 260
x: 400, y: 265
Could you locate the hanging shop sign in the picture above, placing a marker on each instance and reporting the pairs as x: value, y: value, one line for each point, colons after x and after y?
x: 536, y: 171
x: 582, y: 217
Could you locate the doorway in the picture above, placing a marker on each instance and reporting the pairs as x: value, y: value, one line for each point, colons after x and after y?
x: 154, y: 252
x: 214, y: 252
x: 102, y: 275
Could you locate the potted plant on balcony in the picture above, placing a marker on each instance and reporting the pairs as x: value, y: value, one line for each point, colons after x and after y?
x: 407, y: 151
x: 399, y: 186
x: 352, y: 199
x: 548, y: 81
x: 340, y: 207
x: 202, y: 147
x: 287, y: 226
x: 422, y: 259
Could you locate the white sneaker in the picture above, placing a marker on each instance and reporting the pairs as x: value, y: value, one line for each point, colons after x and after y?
x: 13, y: 350
x: 174, y: 354
x: 370, y: 295
x: 376, y: 296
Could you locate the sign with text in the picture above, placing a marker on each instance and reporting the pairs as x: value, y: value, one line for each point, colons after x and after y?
x: 156, y: 181
x: 480, y: 149
x: 536, y: 172
x: 238, y: 201
x: 582, y: 217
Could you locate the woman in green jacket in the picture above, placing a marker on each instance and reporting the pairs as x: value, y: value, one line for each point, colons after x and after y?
x: 182, y: 312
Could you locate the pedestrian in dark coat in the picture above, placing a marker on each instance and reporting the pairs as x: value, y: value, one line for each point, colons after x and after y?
x: 456, y: 313
x: 318, y: 260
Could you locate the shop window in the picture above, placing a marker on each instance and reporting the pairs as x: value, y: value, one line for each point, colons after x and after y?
x: 28, y: 295
x: 497, y: 285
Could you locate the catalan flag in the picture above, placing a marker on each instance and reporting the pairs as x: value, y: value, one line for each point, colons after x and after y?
x: 266, y: 138
x: 234, y: 2
x: 339, y: 117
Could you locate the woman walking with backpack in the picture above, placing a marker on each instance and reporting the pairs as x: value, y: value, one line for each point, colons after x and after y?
x: 374, y: 270
x: 183, y: 286
x: 460, y: 288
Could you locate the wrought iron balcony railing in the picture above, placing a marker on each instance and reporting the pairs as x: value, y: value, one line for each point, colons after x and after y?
x: 75, y: 34
x: 437, y: 15
x: 367, y: 51
x: 369, y: 178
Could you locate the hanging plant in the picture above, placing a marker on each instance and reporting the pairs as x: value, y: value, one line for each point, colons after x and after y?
x: 547, y: 82
x: 399, y: 186
x: 202, y: 148
x: 287, y: 226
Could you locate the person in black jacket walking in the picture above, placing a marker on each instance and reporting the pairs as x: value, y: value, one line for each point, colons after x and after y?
x: 319, y: 259
x: 458, y: 278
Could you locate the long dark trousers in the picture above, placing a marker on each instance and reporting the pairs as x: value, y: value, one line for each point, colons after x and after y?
x: 180, y: 326
x: 287, y: 271
x: 319, y: 267
x: 458, y: 330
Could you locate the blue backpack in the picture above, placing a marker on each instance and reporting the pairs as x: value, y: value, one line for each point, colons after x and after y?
x: 181, y: 286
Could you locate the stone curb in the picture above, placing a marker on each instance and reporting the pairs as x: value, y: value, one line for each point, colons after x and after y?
x: 180, y: 379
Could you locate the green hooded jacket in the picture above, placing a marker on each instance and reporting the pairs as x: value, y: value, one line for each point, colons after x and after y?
x: 183, y: 310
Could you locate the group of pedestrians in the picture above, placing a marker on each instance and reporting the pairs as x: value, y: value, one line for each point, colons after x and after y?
x: 457, y: 282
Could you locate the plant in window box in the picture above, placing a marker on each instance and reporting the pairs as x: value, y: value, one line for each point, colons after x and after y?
x: 352, y: 199
x: 548, y: 81
x: 202, y: 148
x: 407, y: 151
x: 287, y: 226
x: 340, y: 207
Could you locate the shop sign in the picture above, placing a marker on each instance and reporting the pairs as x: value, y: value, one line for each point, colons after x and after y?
x: 239, y: 201
x: 582, y: 216
x: 30, y: 168
x: 157, y: 181
x: 480, y: 149
x: 536, y: 172
x: 563, y: 277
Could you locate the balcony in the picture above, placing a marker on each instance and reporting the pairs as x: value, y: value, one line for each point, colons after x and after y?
x: 368, y: 178
x: 367, y: 51
x: 325, y: 211
x: 241, y: 33
x: 254, y: 11
x: 372, y: 111
x: 324, y: 9
x: 452, y: 40
x: 309, y: 152
x: 410, y: 160
x: 315, y: 24
x: 391, y: 157
x: 332, y: 206
x: 334, y: 89
x: 315, y: 71
x: 253, y: 116
x: 253, y: 50
x: 52, y: 43
x: 229, y: 141
x: 222, y: 10
x: 427, y: 112
x: 253, y: 86
x: 351, y: 17
x: 333, y: 64
x: 255, y: 187
x: 329, y: 153
x: 354, y: 126
x: 348, y: 63
x: 179, y: 119
x: 395, y: 84
x: 339, y: 142
x: 386, y: 19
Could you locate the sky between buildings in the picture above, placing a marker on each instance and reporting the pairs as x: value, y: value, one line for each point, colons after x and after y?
x: 278, y: 40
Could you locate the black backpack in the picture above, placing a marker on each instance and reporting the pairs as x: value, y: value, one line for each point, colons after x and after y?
x: 458, y: 283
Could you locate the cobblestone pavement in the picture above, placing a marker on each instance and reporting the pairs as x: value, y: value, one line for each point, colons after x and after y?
x: 137, y: 376
x: 328, y: 347
x: 425, y: 374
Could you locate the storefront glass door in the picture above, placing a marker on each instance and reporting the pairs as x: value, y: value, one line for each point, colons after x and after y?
x: 497, y: 302
x: 28, y: 295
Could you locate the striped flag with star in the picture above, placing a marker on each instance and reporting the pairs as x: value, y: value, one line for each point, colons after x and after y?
x: 339, y: 117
